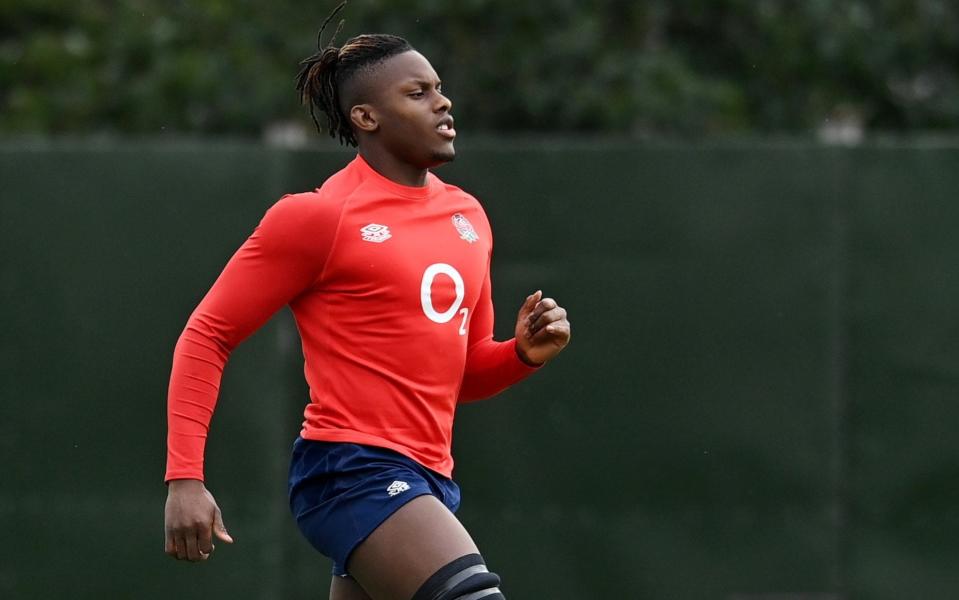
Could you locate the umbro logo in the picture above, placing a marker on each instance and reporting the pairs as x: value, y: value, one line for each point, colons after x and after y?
x: 397, y: 487
x: 375, y: 232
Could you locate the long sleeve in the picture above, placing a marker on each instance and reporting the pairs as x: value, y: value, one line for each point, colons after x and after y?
x: 491, y: 366
x: 281, y: 259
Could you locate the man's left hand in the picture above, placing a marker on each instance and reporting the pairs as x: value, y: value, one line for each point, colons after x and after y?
x: 542, y: 330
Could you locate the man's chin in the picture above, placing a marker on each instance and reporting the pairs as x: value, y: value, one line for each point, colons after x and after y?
x: 444, y: 156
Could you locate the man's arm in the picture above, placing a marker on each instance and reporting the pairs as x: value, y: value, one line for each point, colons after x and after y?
x: 541, y: 332
x: 281, y: 259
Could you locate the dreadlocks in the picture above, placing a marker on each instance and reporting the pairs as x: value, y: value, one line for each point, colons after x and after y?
x: 323, y: 74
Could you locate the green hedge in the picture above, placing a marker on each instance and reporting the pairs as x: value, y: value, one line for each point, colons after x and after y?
x: 693, y: 68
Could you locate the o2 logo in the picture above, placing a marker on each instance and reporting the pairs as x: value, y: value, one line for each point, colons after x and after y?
x: 426, y: 295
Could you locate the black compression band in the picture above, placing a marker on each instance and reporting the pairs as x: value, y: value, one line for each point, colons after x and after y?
x: 440, y: 582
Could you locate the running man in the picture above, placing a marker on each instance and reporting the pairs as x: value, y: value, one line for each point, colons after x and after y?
x: 386, y: 270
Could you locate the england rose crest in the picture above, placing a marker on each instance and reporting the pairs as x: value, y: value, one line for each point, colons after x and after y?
x: 465, y: 228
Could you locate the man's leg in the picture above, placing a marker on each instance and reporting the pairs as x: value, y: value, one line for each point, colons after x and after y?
x: 416, y: 542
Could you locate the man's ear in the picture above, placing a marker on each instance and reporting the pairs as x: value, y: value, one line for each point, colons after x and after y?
x: 363, y: 118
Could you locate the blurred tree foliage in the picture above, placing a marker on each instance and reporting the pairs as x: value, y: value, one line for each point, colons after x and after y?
x: 695, y: 67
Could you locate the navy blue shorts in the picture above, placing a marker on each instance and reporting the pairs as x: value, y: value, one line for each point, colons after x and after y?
x: 340, y: 493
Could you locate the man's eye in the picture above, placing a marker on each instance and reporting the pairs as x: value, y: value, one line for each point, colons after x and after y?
x: 416, y: 94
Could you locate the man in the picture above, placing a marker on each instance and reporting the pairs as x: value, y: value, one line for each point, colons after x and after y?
x: 386, y: 270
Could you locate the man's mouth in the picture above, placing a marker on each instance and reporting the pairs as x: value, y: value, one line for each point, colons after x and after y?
x: 445, y: 128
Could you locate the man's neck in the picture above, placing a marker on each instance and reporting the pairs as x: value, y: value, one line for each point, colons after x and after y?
x: 396, y: 171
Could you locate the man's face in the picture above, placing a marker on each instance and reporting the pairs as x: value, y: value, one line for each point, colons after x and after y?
x: 414, y: 118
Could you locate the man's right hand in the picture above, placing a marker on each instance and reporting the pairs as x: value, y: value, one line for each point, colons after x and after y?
x: 192, y: 518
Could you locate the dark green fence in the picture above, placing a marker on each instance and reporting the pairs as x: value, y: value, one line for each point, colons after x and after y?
x: 760, y: 400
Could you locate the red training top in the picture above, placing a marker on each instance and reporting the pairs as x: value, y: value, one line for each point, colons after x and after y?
x: 390, y: 289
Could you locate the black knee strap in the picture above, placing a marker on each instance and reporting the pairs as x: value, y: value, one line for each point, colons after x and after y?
x: 466, y: 578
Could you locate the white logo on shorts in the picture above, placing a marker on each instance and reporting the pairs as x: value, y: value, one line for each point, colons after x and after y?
x: 397, y: 487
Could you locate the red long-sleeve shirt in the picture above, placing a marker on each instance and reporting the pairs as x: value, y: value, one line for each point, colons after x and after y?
x: 390, y: 290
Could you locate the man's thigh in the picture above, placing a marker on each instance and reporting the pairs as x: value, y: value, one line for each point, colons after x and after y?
x: 410, y: 546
